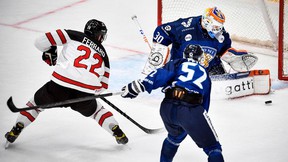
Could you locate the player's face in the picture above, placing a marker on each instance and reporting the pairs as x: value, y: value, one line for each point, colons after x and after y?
x: 212, y: 26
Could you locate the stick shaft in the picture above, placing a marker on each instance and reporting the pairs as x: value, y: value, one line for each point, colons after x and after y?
x: 149, y: 131
x: 13, y: 108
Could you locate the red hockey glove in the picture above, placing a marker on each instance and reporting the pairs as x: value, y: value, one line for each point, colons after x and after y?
x: 50, y: 56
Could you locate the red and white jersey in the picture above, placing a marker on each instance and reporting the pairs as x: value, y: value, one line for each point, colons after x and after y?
x: 83, y: 63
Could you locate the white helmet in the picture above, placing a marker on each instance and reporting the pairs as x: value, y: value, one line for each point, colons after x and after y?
x: 213, y: 20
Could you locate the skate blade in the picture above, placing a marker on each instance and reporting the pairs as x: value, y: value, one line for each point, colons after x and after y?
x: 7, y: 144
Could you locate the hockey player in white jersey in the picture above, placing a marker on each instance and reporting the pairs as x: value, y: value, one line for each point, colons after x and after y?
x: 82, y: 69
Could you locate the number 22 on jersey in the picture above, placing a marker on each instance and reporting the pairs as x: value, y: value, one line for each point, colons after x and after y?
x: 78, y: 62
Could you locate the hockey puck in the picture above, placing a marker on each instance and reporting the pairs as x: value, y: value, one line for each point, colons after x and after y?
x: 268, y: 102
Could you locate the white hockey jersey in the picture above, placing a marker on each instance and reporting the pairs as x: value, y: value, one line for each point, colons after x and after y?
x: 83, y: 63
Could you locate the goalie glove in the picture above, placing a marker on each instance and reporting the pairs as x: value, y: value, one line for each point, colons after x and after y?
x: 50, y: 56
x: 239, y: 60
x: 133, y: 89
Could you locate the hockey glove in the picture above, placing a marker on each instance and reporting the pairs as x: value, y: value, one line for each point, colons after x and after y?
x: 133, y: 89
x: 50, y: 56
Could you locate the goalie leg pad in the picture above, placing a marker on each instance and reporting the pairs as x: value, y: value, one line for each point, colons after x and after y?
x: 241, y: 84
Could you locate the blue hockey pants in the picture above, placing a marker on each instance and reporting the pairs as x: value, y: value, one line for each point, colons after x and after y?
x: 181, y: 118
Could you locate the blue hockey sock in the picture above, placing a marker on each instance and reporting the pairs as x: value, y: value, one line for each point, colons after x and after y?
x: 168, y: 151
x: 214, y: 153
x: 215, y: 156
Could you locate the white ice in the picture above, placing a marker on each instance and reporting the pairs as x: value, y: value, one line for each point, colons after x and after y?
x: 249, y: 130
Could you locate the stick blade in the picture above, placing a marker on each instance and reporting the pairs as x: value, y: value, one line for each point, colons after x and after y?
x: 154, y: 131
x: 11, y: 105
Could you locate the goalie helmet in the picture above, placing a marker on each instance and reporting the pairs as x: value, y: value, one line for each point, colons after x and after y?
x: 213, y: 20
x: 96, y: 29
x: 193, y: 51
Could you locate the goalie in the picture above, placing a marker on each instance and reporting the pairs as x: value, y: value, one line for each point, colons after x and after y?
x: 206, y: 30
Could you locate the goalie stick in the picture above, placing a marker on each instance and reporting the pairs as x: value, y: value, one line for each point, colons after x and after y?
x: 134, y: 18
x: 146, y: 130
x: 13, y: 108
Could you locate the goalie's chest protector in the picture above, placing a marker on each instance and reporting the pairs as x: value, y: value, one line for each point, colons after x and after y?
x: 189, y: 31
x: 83, y: 64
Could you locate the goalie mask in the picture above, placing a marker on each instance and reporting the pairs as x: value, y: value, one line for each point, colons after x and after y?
x: 96, y: 29
x: 193, y: 51
x: 213, y: 21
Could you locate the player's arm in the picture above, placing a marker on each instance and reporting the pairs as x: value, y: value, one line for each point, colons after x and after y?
x: 48, y: 42
x: 157, y: 78
x: 239, y: 60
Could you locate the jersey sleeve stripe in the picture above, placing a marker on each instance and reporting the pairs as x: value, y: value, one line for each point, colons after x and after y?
x: 73, y: 82
x: 62, y: 36
x: 50, y: 38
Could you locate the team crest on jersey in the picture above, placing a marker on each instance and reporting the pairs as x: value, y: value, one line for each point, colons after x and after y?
x: 209, y: 54
x: 188, y: 23
x: 188, y: 37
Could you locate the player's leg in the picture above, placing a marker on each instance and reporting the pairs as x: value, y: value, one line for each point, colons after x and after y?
x: 214, y: 153
x: 25, y: 118
x: 104, y: 118
x: 170, y: 146
x: 175, y: 133
x: 198, y: 126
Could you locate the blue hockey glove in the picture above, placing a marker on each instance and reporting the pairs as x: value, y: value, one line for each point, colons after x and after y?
x: 133, y: 89
x: 50, y: 56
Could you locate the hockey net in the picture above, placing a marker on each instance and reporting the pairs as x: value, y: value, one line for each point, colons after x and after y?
x: 258, y: 22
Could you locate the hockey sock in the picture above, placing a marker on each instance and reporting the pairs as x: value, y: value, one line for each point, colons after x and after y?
x: 215, y: 157
x: 168, y: 151
x: 27, y: 117
x: 104, y: 118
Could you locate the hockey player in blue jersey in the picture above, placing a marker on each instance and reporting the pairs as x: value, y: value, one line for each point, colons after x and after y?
x: 187, y: 87
x: 206, y: 30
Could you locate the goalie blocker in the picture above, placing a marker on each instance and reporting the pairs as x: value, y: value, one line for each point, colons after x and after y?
x: 157, y: 58
x: 241, y: 84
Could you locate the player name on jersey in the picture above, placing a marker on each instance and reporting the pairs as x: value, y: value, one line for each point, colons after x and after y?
x: 93, y: 45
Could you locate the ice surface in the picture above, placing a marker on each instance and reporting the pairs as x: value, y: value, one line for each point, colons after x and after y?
x: 249, y: 130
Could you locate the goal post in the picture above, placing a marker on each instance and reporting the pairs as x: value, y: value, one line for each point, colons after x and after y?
x: 257, y: 22
x: 282, y: 39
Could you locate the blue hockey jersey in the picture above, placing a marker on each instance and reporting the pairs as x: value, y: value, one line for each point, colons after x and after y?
x: 185, y: 73
x: 185, y: 31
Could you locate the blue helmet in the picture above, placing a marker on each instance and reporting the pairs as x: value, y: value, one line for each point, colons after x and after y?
x: 193, y: 51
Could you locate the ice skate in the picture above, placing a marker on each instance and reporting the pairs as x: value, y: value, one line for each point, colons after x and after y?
x: 13, y: 134
x: 119, y: 135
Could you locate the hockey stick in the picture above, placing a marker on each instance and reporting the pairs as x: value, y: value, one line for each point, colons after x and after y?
x: 13, y: 108
x: 149, y: 131
x: 134, y: 18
